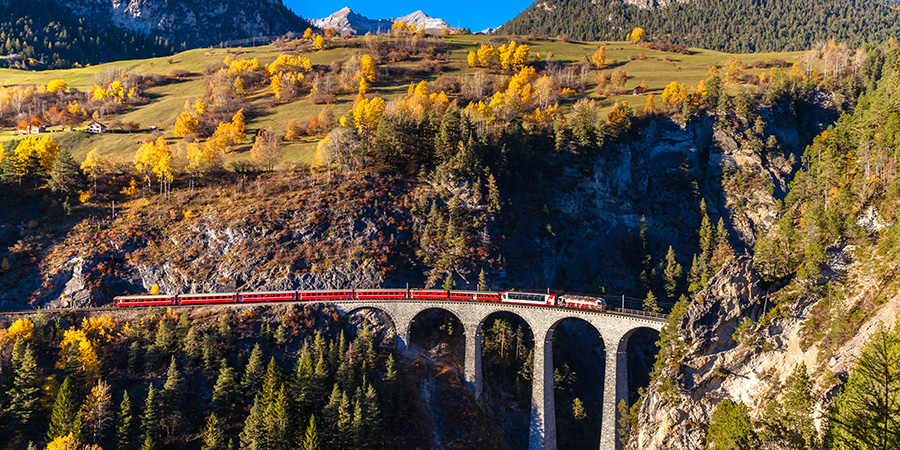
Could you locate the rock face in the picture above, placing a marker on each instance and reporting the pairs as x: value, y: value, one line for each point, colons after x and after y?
x: 194, y: 22
x: 346, y: 21
x: 653, y: 4
x: 713, y: 366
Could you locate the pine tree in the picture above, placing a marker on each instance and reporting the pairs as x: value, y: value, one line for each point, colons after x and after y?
x: 278, y: 424
x: 449, y: 282
x: 214, y: 436
x: 150, y: 420
x: 66, y: 173
x: 149, y: 443
x: 731, y: 427
x: 270, y: 383
x: 124, y: 424
x: 372, y: 417
x: 65, y: 409
x: 10, y: 172
x: 224, y: 397
x: 23, y: 397
x: 482, y: 281
x: 672, y: 274
x: 344, y: 419
x: 253, y: 436
x: 311, y: 437
x: 301, y: 383
x: 173, y: 389
x: 578, y: 411
x: 331, y: 414
x: 357, y: 432
x: 650, y: 303
x: 253, y: 373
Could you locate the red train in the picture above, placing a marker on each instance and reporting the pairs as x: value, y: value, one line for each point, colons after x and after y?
x: 518, y: 298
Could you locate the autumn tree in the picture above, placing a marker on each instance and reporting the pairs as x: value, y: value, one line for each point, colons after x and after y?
x: 637, y: 35
x: 97, y: 412
x: 599, y: 57
x: 266, y: 150
x: 154, y: 158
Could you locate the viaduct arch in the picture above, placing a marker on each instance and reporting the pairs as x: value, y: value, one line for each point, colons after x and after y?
x: 615, y: 330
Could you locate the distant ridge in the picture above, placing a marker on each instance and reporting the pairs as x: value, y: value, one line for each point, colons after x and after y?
x: 735, y: 26
x: 345, y: 20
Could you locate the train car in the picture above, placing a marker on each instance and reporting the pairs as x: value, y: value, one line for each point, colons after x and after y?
x: 528, y: 298
x: 582, y: 302
x: 145, y: 300
x: 206, y: 298
x: 274, y: 296
x: 429, y: 294
x: 479, y: 296
x: 363, y: 294
x: 326, y: 295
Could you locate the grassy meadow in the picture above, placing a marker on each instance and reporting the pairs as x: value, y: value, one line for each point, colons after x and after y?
x: 657, y: 69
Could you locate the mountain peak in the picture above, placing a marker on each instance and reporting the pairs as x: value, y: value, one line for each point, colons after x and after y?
x: 345, y: 20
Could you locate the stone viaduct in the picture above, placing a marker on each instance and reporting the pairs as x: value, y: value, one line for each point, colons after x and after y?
x: 614, y: 329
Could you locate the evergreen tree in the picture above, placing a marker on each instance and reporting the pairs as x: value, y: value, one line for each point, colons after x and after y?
x: 173, y: 389
x: 672, y: 274
x: 311, y: 436
x: 650, y: 303
x: 224, y: 397
x: 149, y: 443
x: 271, y: 381
x: 253, y: 373
x: 301, y: 383
x: 9, y: 167
x: 372, y: 417
x: 331, y: 413
x: 867, y: 414
x: 449, y: 282
x: 278, y: 424
x: 214, y: 436
x: 150, y: 420
x: 66, y: 173
x: 344, y: 420
x: 731, y: 427
x: 482, y: 281
x: 65, y: 410
x: 253, y: 436
x: 24, y: 395
x: 358, y: 433
x: 124, y: 424
x: 578, y: 411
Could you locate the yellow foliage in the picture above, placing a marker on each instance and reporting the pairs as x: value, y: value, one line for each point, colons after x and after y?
x: 367, y: 115
x: 288, y: 63
x: 98, y: 93
x: 185, y: 124
x: 154, y: 290
x: 23, y: 328
x: 734, y: 72
x: 513, y: 56
x: 651, y: 103
x: 637, y: 35
x: 199, y: 108
x: 485, y: 56
x: 154, y: 157
x: 99, y: 328
x: 675, y: 94
x: 472, y: 58
x: 67, y: 442
x: 319, y: 42
x: 240, y: 67
x: 131, y: 190
x: 240, y: 128
x: 57, y: 85
x: 84, y: 196
x: 367, y: 68
x: 203, y: 158
x: 599, y: 57
x: 44, y: 148
x: 320, y: 157
x: 77, y: 341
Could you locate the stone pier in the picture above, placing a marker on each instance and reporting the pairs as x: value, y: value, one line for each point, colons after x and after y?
x: 615, y: 329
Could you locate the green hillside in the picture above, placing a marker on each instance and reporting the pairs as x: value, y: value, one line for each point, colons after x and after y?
x: 184, y: 82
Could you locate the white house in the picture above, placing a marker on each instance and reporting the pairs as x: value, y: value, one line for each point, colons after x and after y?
x: 96, y: 128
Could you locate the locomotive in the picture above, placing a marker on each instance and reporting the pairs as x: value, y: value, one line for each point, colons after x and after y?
x: 513, y: 297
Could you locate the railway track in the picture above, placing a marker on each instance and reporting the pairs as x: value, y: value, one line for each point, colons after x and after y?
x: 611, y: 311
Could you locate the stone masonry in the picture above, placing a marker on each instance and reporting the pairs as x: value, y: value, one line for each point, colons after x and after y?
x: 615, y: 329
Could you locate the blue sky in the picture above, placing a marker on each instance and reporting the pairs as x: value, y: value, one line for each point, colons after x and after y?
x: 474, y: 14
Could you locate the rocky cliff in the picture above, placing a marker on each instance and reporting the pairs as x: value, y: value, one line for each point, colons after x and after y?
x: 710, y: 363
x: 194, y: 22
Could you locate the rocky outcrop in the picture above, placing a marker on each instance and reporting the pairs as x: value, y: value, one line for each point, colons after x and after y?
x: 712, y: 366
x: 196, y: 23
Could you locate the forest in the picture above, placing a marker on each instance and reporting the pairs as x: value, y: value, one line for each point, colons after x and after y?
x: 744, y: 26
x: 45, y: 35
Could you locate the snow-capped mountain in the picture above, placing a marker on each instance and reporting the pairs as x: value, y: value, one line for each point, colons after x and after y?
x: 345, y: 20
